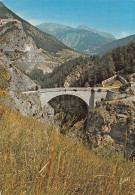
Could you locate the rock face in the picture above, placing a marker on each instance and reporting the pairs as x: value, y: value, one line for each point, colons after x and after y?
x: 75, y: 75
x: 19, y: 81
x: 110, y: 122
x: 27, y: 105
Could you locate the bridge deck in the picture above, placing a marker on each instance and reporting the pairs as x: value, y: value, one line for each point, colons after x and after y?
x: 46, y: 90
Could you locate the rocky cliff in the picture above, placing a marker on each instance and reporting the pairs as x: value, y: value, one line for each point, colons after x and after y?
x: 113, y: 122
x: 78, y: 73
x: 27, y: 105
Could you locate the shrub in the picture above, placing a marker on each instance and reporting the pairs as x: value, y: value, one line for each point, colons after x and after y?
x: 123, y: 87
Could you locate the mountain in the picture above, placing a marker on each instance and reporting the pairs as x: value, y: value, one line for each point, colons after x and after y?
x: 104, y: 34
x: 114, y: 44
x: 53, y: 29
x: 27, y: 46
x: 81, y: 39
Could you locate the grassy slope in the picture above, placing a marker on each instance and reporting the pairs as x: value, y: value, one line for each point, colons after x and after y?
x: 36, y: 159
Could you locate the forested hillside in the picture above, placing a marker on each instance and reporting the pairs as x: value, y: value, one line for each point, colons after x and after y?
x: 58, y: 76
x: 95, y: 69
x: 121, y: 60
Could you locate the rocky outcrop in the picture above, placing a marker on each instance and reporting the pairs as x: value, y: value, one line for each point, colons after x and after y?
x: 18, y: 81
x: 76, y: 74
x: 113, y: 122
x: 27, y: 105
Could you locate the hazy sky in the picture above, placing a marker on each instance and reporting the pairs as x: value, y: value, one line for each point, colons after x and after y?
x: 114, y: 16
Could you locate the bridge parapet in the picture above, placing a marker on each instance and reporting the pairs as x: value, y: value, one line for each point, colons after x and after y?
x: 75, y: 89
x: 64, y: 89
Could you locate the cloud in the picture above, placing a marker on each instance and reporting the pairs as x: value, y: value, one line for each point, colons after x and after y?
x: 122, y: 35
x: 23, y: 14
x: 35, y: 21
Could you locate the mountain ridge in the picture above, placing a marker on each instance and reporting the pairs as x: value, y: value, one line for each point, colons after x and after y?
x: 104, y: 34
x: 80, y: 39
x: 114, y: 44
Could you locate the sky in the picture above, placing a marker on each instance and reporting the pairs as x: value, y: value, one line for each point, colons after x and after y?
x: 112, y: 16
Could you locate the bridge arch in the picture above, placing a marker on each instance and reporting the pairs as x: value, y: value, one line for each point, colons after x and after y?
x: 45, y: 97
x: 71, y: 96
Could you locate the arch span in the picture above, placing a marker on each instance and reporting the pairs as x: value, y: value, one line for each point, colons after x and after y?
x: 46, y: 96
x: 77, y: 97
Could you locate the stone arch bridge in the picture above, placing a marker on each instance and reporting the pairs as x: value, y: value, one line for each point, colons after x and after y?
x: 89, y: 95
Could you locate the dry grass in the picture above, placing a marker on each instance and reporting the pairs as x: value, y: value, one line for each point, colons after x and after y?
x: 4, y: 40
x: 36, y: 159
x: 113, y: 83
x: 4, y: 84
